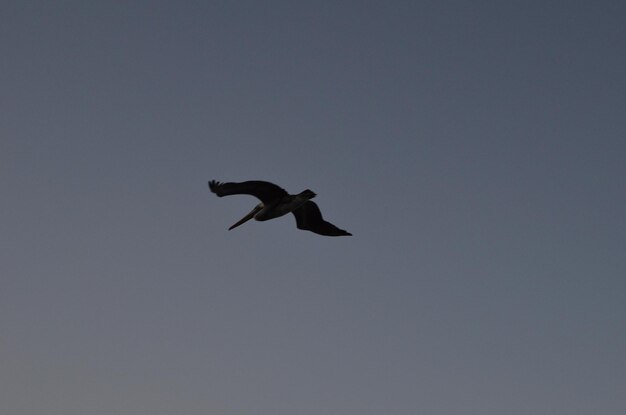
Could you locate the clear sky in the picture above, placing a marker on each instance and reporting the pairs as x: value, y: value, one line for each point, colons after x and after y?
x: 474, y: 149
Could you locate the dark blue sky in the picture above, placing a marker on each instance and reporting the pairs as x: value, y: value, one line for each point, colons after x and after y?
x: 474, y: 149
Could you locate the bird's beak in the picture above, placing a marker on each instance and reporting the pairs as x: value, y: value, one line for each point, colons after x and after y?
x: 247, y: 217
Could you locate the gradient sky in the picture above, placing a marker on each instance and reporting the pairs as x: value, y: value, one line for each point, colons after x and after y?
x: 474, y: 149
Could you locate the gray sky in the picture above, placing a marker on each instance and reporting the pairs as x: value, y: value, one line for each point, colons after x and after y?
x: 474, y: 149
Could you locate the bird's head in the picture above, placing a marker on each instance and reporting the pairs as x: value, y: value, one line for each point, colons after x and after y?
x: 308, y: 194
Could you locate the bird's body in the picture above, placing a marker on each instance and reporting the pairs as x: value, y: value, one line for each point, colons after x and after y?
x: 276, y: 202
x: 285, y: 205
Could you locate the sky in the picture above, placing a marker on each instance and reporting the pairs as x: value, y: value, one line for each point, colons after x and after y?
x: 474, y: 149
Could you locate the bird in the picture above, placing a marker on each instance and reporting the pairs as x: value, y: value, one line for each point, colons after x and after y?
x: 276, y: 202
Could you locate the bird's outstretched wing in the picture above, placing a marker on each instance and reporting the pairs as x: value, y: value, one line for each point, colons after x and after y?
x: 267, y: 192
x: 309, y: 218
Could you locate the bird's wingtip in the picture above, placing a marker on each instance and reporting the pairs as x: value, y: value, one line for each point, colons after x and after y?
x: 213, y: 186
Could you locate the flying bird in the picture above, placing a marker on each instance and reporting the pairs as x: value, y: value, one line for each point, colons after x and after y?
x: 276, y: 202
